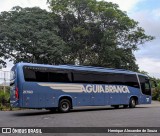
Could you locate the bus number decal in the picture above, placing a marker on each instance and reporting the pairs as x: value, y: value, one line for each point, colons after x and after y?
x: 27, y: 92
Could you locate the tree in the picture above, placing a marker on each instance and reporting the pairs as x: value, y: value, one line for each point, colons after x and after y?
x: 155, y: 90
x: 98, y: 33
x: 30, y: 35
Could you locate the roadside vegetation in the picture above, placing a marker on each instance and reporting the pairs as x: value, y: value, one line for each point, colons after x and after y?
x: 156, y: 91
x: 84, y: 32
x: 5, y: 99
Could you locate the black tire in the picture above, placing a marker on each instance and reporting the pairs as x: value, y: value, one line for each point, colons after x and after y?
x: 125, y: 106
x: 115, y: 106
x: 132, y: 103
x: 64, y: 105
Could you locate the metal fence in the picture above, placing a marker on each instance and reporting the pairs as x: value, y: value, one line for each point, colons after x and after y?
x: 4, y: 79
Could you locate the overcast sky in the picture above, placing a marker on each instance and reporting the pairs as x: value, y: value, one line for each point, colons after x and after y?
x: 146, y: 12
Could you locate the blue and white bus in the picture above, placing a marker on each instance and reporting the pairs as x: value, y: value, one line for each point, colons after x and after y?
x: 64, y: 87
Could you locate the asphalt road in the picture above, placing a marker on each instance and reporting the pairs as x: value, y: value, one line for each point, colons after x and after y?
x: 141, y: 116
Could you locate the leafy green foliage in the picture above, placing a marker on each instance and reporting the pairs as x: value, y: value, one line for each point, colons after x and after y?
x: 85, y: 32
x: 4, y: 100
x: 156, y: 91
x: 30, y: 35
x: 144, y: 72
x: 98, y: 33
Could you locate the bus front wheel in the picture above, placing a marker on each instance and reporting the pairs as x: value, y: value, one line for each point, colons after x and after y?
x: 132, y: 103
x: 64, y: 105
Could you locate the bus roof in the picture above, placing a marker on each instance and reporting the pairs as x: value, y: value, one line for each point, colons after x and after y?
x: 81, y: 68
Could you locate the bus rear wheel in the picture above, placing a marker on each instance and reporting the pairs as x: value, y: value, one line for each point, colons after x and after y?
x: 132, y: 103
x: 64, y: 105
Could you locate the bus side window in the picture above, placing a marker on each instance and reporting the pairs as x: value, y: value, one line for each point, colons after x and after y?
x: 106, y: 78
x: 91, y: 78
x: 131, y: 80
x: 29, y: 74
x: 59, y: 76
x: 115, y: 79
x: 41, y: 74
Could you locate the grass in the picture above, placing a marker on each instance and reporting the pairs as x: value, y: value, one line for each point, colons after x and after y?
x: 5, y: 100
